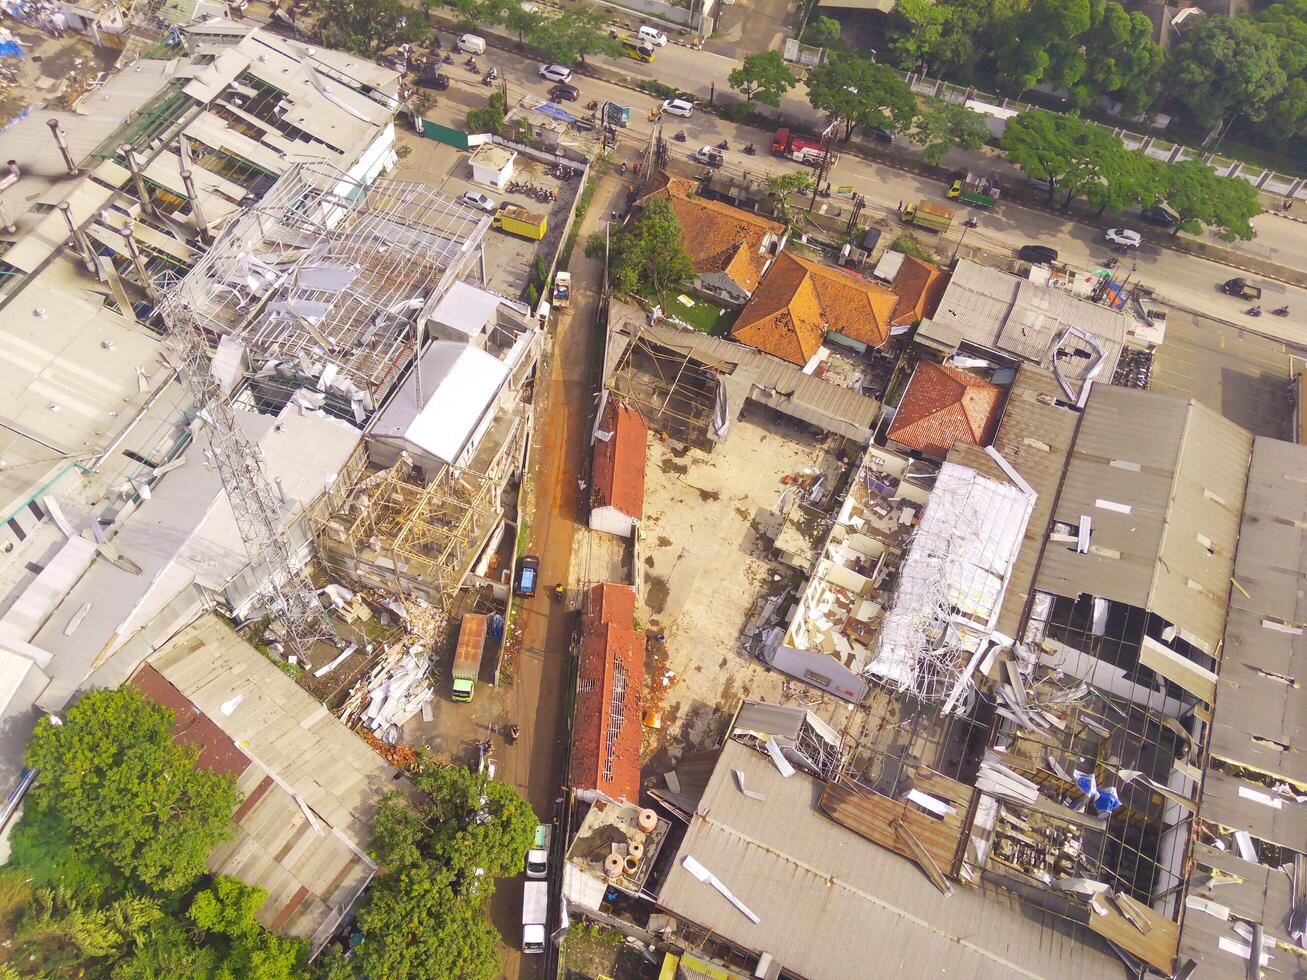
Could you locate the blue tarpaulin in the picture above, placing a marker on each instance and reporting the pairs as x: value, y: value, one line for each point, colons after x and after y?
x: 556, y: 111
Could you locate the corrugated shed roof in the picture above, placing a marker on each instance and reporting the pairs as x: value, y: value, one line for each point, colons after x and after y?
x: 281, y: 729
x: 1034, y: 437
x: 619, y: 461
x: 718, y: 237
x: 831, y: 904
x: 1261, y: 706
x: 1162, y: 481
x: 943, y: 405
x: 800, y: 301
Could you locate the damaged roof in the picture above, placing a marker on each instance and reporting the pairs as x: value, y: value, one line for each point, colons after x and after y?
x: 943, y: 405
x: 1161, y: 481
x: 919, y: 287
x: 826, y: 897
x: 619, y: 460
x: 718, y: 237
x: 606, y: 725
x: 799, y: 301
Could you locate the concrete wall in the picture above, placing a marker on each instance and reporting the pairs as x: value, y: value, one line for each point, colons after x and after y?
x: 722, y: 287
x: 700, y: 21
x: 611, y: 520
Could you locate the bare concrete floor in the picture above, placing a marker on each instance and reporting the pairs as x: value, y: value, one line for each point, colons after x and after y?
x: 704, y: 567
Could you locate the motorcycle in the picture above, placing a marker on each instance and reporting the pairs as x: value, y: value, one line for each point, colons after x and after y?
x: 557, y: 594
x: 1280, y: 311
x: 492, y: 74
x: 512, y: 734
x: 487, y: 80
x: 723, y: 145
x: 1254, y: 311
x: 592, y: 105
x: 622, y: 169
x: 448, y: 59
x: 680, y: 137
x: 971, y: 222
x: 475, y: 70
x: 749, y: 150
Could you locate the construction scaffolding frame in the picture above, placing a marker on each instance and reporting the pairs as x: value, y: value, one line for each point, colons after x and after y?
x: 334, y: 275
x: 674, y: 394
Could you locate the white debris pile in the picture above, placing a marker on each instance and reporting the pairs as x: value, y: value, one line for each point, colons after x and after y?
x: 393, y: 692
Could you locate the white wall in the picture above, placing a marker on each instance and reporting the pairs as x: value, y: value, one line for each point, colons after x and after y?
x: 612, y: 520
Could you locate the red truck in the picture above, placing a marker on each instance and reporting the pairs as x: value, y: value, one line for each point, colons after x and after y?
x: 802, y: 148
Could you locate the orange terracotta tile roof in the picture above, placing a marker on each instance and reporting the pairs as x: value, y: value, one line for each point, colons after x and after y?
x: 918, y: 286
x: 799, y: 301
x: 718, y: 237
x: 618, y: 474
x: 944, y: 405
x: 607, y: 728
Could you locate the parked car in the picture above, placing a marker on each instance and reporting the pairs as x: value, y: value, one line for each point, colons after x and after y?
x: 565, y: 93
x: 678, y: 107
x: 528, y: 574
x: 709, y: 155
x: 653, y: 35
x: 1160, y: 214
x: 478, y: 200
x: 1037, y: 254
x: 882, y: 134
x: 1124, y: 237
x: 432, y: 79
x: 556, y: 73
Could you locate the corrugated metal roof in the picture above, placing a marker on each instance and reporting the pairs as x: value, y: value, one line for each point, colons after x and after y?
x: 832, y: 904
x: 1162, y: 481
x: 1034, y: 436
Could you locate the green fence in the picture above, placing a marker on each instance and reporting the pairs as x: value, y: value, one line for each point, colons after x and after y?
x: 443, y: 134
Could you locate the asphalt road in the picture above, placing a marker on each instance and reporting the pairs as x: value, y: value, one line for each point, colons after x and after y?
x: 1185, y: 281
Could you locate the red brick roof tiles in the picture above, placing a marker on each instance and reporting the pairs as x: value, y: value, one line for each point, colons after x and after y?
x: 619, y: 461
x: 943, y: 405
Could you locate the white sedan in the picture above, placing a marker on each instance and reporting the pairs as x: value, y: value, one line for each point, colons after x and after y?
x: 556, y: 73
x: 1124, y: 237
x: 678, y: 107
x: 478, y: 200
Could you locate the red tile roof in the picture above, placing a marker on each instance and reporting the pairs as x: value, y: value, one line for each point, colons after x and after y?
x: 190, y: 727
x: 943, y: 405
x: 799, y: 301
x: 718, y: 237
x: 607, y: 728
x: 618, y: 475
x: 918, y: 286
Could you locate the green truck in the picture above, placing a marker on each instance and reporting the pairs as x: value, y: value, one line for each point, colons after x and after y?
x: 928, y: 215
x: 969, y: 188
x: 467, y: 655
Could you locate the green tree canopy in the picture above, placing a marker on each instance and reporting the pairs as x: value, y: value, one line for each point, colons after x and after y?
x: 1121, y: 60
x: 945, y: 126
x: 1129, y: 178
x: 1071, y: 154
x: 647, y: 257
x: 781, y: 187
x: 112, y: 772
x: 857, y: 91
x: 763, y: 76
x: 1226, y: 65
x: 522, y: 21
x: 823, y: 32
x: 1044, y: 44
x: 1200, y: 197
x: 573, y: 34
x: 367, y: 26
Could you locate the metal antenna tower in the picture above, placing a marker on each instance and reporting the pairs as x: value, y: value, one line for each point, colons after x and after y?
x: 256, y: 505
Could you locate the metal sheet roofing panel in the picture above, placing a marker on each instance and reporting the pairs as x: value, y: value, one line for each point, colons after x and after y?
x: 830, y: 903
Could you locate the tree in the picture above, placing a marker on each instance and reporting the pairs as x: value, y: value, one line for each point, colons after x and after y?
x: 1070, y: 154
x: 112, y: 772
x: 1044, y: 44
x: 1201, y: 197
x: 648, y: 256
x: 489, y: 118
x: 572, y: 35
x: 857, y: 91
x: 763, y: 76
x: 823, y: 32
x: 781, y: 187
x: 1226, y: 65
x: 945, y: 126
x: 367, y: 26
x: 522, y: 21
x: 1121, y: 60
x: 472, y: 13
x: 225, y: 913
x: 1130, y: 178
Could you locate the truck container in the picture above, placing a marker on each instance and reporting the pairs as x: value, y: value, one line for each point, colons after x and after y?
x: 801, y: 148
x: 928, y: 215
x: 562, y: 290
x: 969, y: 188
x: 520, y: 221
x: 535, y: 915
x: 537, y: 858
x: 467, y: 655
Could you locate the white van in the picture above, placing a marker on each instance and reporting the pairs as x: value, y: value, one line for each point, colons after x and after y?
x: 653, y: 35
x: 472, y: 44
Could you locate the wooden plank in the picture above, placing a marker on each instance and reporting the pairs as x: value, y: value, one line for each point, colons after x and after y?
x: 923, y: 858
x: 1198, y: 681
x: 1157, y: 946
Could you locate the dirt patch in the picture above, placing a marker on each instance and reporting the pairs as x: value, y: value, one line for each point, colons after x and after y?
x: 707, y: 496
x: 656, y: 593
x: 664, y: 541
x: 649, y: 561
x: 670, y: 466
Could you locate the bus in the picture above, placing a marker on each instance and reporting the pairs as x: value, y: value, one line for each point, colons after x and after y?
x: 638, y: 49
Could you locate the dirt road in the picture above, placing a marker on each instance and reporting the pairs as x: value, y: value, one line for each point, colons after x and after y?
x: 564, y: 407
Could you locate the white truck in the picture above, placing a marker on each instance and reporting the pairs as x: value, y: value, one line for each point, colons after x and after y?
x: 535, y: 913
x: 537, y: 858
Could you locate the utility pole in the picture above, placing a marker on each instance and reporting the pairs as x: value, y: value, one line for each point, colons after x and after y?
x: 824, y: 165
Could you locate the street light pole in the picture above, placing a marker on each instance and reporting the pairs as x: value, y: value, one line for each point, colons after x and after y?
x: 823, y: 166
